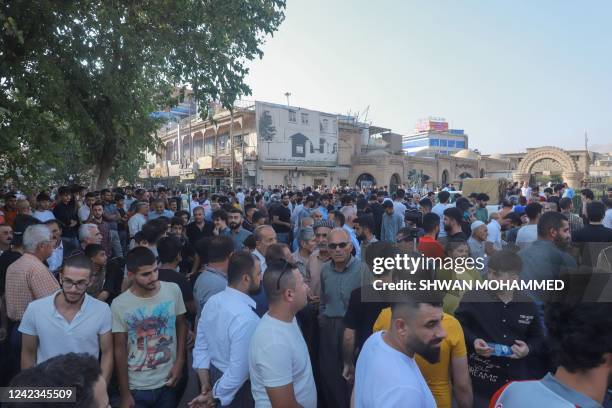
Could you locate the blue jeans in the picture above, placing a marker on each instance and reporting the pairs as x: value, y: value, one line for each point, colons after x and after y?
x: 164, y: 397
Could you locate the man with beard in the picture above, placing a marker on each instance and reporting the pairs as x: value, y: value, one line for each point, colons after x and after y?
x: 581, y: 337
x: 97, y: 212
x: 453, y: 218
x: 317, y: 259
x: 149, y: 331
x: 281, y: 219
x: 237, y: 232
x: 199, y: 228
x: 364, y: 229
x: 387, y: 374
x: 68, y: 321
x: 505, y: 317
x: 546, y: 258
x: 6, y: 237
x: 225, y: 329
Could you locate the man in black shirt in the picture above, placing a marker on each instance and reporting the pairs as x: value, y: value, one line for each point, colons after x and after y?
x: 505, y: 318
x: 199, y: 228
x: 363, y: 310
x: 377, y: 212
x: 594, y: 237
x: 280, y: 217
x: 452, y: 224
x: 65, y: 211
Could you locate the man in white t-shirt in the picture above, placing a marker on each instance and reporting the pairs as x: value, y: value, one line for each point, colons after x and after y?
x: 386, y: 374
x: 68, y: 321
x: 279, y: 363
x: 526, y: 190
x: 529, y: 233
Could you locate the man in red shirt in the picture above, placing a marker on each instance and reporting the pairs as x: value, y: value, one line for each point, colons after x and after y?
x: 427, y: 243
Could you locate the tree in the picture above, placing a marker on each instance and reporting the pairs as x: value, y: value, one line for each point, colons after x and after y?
x: 94, y: 71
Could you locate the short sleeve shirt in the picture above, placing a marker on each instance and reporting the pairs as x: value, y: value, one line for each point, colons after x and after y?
x: 150, y: 324
x: 42, y: 319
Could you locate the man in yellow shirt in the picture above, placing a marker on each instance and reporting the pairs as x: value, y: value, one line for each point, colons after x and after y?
x: 450, y: 375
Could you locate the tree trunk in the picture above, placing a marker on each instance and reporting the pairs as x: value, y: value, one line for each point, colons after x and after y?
x: 103, y: 171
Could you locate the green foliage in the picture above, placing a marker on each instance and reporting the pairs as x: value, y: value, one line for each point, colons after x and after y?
x: 79, y: 79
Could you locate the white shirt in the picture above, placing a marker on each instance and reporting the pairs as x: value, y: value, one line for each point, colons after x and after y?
x: 607, y: 221
x: 494, y: 234
x: 526, y: 235
x: 224, y: 333
x: 439, y: 210
x: 385, y: 377
x: 262, y: 260
x: 57, y: 258
x: 43, y: 216
x: 399, y: 208
x: 136, y: 222
x: 57, y: 336
x: 84, y: 212
x: 278, y: 356
x: 526, y: 192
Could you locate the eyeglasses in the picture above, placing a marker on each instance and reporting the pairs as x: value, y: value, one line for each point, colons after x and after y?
x: 287, y: 266
x: 79, y: 285
x: 340, y: 245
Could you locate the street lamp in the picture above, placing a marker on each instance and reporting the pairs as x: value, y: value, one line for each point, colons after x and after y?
x: 287, y: 95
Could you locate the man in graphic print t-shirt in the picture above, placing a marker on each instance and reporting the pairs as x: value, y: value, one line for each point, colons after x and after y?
x: 149, y: 332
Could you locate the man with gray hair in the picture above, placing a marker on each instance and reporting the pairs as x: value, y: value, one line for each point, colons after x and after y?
x: 139, y: 219
x: 339, y: 278
x: 307, y: 243
x: 28, y: 278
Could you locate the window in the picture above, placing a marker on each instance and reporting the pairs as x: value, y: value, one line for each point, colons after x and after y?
x: 222, y: 142
x: 209, y: 146
x: 325, y: 124
x: 451, y: 143
x: 443, y: 143
x: 321, y: 145
x: 292, y: 116
x: 304, y: 118
x: 434, y: 142
x: 460, y: 144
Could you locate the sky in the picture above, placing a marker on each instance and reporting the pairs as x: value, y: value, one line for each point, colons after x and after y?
x: 512, y: 74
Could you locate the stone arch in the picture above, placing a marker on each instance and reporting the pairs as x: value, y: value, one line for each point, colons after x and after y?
x: 394, y: 182
x: 186, y: 147
x: 444, y: 178
x: 570, y: 173
x: 365, y: 180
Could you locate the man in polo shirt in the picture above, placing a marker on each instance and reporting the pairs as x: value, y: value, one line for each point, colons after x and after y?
x: 68, y: 321
x: 581, y: 337
x: 338, y: 279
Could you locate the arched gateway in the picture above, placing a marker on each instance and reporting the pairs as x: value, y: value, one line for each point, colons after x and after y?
x: 570, y: 173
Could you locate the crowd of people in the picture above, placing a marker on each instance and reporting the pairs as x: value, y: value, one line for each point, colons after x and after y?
x: 265, y: 296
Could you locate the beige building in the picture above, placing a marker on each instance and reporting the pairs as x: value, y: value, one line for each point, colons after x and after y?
x: 282, y: 145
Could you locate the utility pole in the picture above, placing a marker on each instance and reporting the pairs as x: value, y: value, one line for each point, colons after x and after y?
x: 287, y: 95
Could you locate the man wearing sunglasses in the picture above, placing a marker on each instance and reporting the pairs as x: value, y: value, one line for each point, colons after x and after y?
x: 68, y: 321
x: 279, y: 364
x: 338, y: 279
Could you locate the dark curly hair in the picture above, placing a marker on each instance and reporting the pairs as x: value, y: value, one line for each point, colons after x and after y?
x: 80, y: 371
x: 580, y: 333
